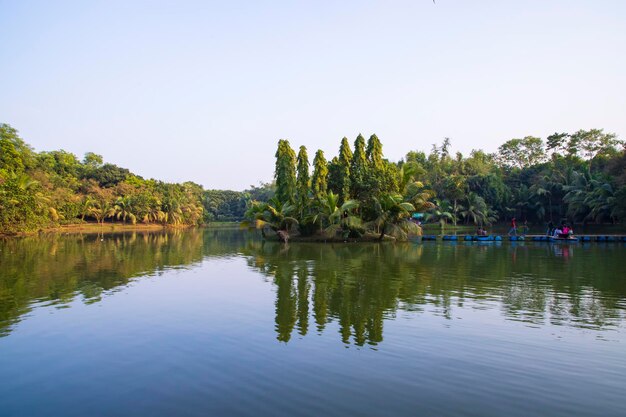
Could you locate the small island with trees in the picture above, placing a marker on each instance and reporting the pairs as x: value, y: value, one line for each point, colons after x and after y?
x: 359, y: 195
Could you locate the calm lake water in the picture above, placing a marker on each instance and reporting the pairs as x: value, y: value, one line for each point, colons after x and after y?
x: 219, y: 323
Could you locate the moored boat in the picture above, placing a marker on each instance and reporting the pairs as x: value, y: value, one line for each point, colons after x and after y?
x: 562, y: 238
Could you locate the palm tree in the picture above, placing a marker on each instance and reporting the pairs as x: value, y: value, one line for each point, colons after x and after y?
x: 331, y: 218
x: 600, y: 200
x: 123, y: 210
x: 523, y: 200
x: 172, y: 213
x: 541, y: 191
x: 476, y: 210
x: 87, y: 202
x: 192, y: 212
x: 576, y: 196
x: 392, y: 216
x: 273, y: 215
x: 100, y: 210
x: 416, y: 194
x: 442, y: 212
x: 153, y: 214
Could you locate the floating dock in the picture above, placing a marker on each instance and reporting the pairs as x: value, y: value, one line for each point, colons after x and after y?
x: 520, y: 238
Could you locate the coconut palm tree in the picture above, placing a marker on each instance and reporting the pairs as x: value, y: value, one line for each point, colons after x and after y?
x: 576, y: 196
x: 273, y: 215
x: 416, y: 194
x: 123, y: 210
x: 100, y: 210
x: 87, y: 202
x: 392, y: 216
x: 476, y: 209
x: 331, y: 217
x: 442, y: 212
x: 192, y: 212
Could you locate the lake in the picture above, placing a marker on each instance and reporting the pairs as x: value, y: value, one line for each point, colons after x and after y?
x: 215, y: 322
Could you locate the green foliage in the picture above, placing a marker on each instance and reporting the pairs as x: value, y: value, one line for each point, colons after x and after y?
x: 344, y: 161
x: 589, y: 144
x: 39, y: 190
x: 374, y: 152
x: 319, y: 180
x: 285, y: 172
x: 220, y: 205
x: 303, y: 181
x: 583, y: 180
x: 108, y: 175
x: 521, y: 153
x: 358, y: 170
x: 392, y: 216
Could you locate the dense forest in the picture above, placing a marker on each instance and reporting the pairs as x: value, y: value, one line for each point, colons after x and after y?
x: 46, y: 189
x: 578, y: 178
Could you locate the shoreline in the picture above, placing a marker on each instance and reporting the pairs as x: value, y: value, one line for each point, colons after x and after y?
x: 95, y: 228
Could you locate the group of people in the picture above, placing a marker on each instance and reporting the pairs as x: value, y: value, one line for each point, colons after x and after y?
x: 481, y: 231
x: 562, y: 231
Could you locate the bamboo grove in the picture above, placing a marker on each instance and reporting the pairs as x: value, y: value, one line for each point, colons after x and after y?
x: 578, y: 177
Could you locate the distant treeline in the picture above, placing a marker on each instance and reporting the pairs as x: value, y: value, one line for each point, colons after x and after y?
x: 46, y: 189
x: 575, y: 177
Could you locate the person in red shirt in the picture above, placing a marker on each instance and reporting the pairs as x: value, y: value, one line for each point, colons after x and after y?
x: 513, y: 229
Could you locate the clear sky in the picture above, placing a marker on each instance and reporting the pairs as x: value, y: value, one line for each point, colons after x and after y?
x: 202, y: 91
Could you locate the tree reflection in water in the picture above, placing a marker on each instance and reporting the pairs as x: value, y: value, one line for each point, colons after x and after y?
x: 356, y: 286
x: 361, y: 285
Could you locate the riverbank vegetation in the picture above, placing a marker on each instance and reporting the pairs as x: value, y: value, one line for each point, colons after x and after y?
x: 42, y: 190
x: 578, y: 177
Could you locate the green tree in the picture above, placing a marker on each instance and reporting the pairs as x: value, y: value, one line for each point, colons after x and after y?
x: 521, y: 153
x: 285, y: 172
x: 343, y: 178
x: 475, y: 209
x: 302, y: 180
x: 331, y: 217
x: 102, y: 205
x: 392, y: 217
x: 590, y: 144
x: 358, y: 169
x: 123, y: 210
x: 273, y: 215
x: 442, y: 212
x: 374, y: 153
x: 319, y: 180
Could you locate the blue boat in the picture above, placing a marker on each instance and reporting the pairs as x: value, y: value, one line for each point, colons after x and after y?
x: 559, y: 239
x: 489, y: 238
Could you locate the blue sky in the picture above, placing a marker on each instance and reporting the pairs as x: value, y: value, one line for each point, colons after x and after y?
x: 202, y: 91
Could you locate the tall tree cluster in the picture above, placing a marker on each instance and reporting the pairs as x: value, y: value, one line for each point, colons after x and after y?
x: 356, y: 192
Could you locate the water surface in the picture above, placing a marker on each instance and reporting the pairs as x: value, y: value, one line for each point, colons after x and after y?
x: 220, y: 323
